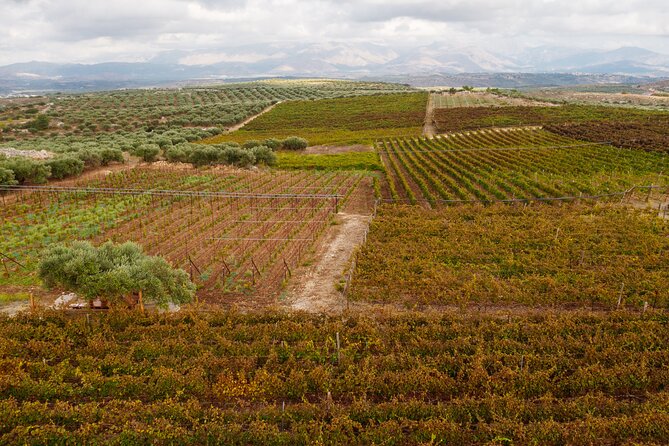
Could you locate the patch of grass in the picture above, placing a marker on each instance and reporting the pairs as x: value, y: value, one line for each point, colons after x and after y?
x: 6, y: 298
x: 356, y: 120
x: 339, y: 161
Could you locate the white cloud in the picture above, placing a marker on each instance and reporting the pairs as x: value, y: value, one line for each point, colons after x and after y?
x: 129, y: 30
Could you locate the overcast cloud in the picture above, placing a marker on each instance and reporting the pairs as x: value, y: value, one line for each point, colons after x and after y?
x: 134, y: 30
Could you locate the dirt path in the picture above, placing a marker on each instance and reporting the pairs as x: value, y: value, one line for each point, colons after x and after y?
x: 314, y: 289
x: 243, y: 123
x: 429, y: 129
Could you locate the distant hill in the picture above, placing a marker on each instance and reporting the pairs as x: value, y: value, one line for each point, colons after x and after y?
x: 423, y: 65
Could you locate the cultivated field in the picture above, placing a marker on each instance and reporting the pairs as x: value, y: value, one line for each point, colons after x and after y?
x: 235, y: 232
x: 472, y: 118
x: 358, y: 120
x: 549, y: 379
x: 494, y: 165
x: 478, y: 99
x: 539, y: 255
x: 502, y: 281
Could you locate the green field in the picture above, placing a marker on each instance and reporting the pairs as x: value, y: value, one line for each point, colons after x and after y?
x: 358, y: 120
x: 339, y: 161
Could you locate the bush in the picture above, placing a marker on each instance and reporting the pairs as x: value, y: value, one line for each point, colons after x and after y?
x: 148, y: 152
x: 91, y: 157
x: 7, y: 177
x: 65, y: 166
x: 264, y: 155
x: 177, y: 155
x: 113, y: 273
x: 294, y: 143
x: 251, y: 144
x: 27, y: 170
x: 272, y: 143
x: 109, y: 155
x: 238, y: 157
x: 204, y: 156
x: 41, y: 122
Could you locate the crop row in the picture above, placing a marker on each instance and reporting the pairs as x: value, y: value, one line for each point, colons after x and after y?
x: 340, y: 121
x: 228, y: 243
x: 467, y: 118
x: 649, y: 134
x: 494, y: 165
x: 280, y: 379
x: 132, y: 110
x: 574, y: 254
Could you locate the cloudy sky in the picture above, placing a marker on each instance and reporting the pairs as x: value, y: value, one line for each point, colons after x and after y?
x: 135, y: 30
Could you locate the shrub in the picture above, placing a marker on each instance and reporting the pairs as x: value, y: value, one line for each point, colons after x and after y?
x: 65, y: 166
x: 294, y: 143
x: 41, y: 122
x: 238, y: 157
x: 264, y: 155
x: 204, y: 155
x: 109, y: 155
x: 7, y: 177
x: 148, y: 152
x: 113, y: 273
x: 272, y: 143
x: 251, y: 144
x: 27, y: 170
x: 91, y: 157
x: 177, y: 155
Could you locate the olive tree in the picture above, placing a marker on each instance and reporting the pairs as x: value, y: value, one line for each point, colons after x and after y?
x: 114, y: 273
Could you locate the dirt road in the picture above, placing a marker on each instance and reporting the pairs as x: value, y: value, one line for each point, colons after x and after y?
x: 243, y: 123
x: 314, y: 289
x: 429, y: 129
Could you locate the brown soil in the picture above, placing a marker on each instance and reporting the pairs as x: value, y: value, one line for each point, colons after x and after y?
x: 429, y: 128
x: 330, y: 150
x: 316, y: 289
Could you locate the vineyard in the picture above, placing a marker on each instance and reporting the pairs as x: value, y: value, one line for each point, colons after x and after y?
x: 472, y: 118
x: 598, y: 256
x: 477, y: 99
x: 269, y: 379
x: 357, y: 120
x: 509, y: 164
x: 648, y: 134
x: 236, y: 232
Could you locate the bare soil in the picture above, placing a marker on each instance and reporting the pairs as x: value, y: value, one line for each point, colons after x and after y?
x: 317, y: 288
x: 429, y: 128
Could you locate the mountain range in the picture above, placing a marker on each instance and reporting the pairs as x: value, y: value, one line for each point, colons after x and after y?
x: 341, y: 60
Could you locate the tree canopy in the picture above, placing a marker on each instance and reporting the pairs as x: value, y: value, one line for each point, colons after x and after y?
x: 114, y: 271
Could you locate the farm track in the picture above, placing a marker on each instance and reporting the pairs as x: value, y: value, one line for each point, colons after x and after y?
x: 236, y: 127
x: 429, y: 129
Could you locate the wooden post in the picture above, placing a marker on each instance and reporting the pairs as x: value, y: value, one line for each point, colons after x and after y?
x: 141, y: 302
x: 338, y: 350
x: 620, y: 295
x: 32, y: 302
x: 645, y: 307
